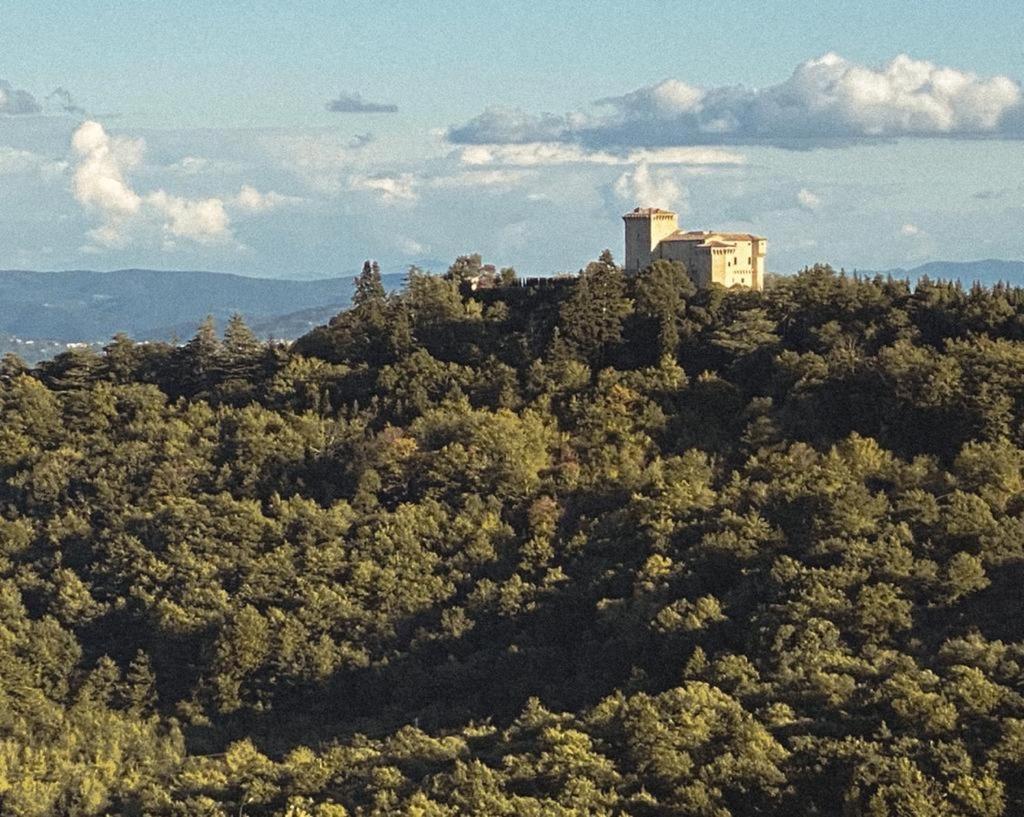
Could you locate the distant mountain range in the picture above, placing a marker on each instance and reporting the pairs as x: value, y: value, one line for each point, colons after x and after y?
x: 989, y: 271
x: 86, y: 306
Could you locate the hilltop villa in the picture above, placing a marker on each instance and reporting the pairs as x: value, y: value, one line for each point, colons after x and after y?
x: 729, y: 259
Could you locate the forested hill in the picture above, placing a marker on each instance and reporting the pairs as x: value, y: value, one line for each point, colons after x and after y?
x: 601, y: 546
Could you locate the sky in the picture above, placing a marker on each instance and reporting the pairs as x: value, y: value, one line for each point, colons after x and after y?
x: 296, y: 140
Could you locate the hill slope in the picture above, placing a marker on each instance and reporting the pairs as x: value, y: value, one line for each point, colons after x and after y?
x: 81, y: 305
x: 612, y: 547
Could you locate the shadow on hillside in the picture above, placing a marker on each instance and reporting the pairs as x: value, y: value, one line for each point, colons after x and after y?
x: 557, y: 651
x: 993, y: 612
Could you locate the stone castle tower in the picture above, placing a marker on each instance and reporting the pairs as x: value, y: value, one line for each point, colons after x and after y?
x: 729, y: 259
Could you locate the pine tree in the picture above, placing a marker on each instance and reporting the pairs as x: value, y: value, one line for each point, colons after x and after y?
x: 240, y: 361
x: 240, y: 342
x: 199, y: 359
x: 592, y: 317
x: 121, y: 358
x: 661, y: 293
x: 140, y: 685
x: 369, y: 294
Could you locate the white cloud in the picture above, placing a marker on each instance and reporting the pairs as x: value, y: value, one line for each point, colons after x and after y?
x: 534, y: 154
x: 497, y: 178
x: 826, y: 101
x: 673, y: 97
x: 99, y: 177
x: 405, y: 188
x: 391, y: 189
x: 100, y: 184
x: 808, y: 200
x: 251, y: 200
x: 530, y: 154
x: 202, y: 220
x: 410, y: 246
x: 322, y: 161
x: 190, y: 165
x: 513, y: 126
x: 17, y: 161
x: 14, y: 161
x: 193, y: 166
x: 910, y: 230
x: 687, y: 156
x: 649, y: 189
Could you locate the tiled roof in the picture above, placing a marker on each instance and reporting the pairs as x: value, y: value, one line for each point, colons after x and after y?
x: 739, y: 236
x: 703, y: 235
x: 644, y: 212
x: 692, y: 235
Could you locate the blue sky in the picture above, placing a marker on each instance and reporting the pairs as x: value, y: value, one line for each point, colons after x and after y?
x: 197, y: 135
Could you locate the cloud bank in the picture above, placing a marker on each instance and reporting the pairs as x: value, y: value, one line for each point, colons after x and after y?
x: 14, y: 102
x: 322, y: 161
x: 354, y: 103
x: 827, y: 100
x: 405, y: 188
x: 533, y: 154
x: 100, y: 184
x: 14, y: 161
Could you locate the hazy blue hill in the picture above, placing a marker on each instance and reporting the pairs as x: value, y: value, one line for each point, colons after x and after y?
x: 280, y: 327
x: 988, y: 271
x: 32, y: 350
x: 81, y: 305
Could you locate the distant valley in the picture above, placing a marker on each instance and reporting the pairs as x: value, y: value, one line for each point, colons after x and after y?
x: 41, y: 312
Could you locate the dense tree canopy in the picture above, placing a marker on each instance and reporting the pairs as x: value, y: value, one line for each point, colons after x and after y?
x: 604, y: 545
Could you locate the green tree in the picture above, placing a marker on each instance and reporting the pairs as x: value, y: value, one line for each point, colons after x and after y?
x: 592, y: 318
x: 369, y: 296
x: 661, y: 293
